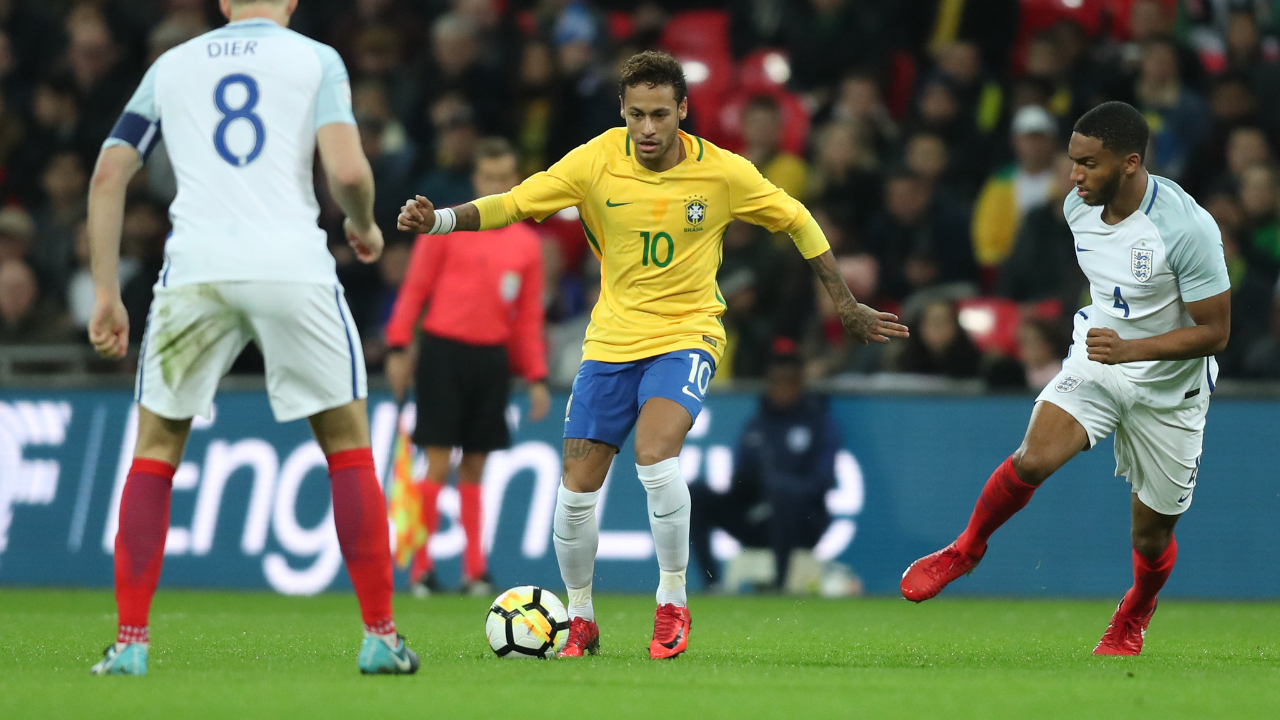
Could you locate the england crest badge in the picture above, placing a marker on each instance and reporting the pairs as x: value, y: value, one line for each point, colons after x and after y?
x: 1142, y: 264
x: 1068, y: 383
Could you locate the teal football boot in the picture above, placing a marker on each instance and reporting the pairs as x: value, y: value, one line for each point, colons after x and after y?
x: 132, y: 660
x: 379, y: 658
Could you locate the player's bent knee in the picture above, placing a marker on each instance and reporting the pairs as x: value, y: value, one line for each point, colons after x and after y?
x: 1032, y: 466
x: 1151, y: 543
x: 655, y: 455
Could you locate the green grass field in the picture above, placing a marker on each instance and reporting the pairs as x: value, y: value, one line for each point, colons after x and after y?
x: 228, y: 655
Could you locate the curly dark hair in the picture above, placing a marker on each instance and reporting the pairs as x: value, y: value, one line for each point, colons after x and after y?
x: 653, y: 68
x: 1121, y: 128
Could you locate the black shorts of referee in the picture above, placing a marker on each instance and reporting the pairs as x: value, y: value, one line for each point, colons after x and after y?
x: 462, y: 395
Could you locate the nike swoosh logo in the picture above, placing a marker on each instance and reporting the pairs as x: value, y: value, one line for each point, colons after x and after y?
x: 610, y: 203
x: 672, y: 645
x: 673, y: 512
x: 1080, y: 249
x: 1183, y: 498
x: 402, y: 663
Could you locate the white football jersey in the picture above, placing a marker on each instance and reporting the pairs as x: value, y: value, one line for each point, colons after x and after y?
x: 1142, y: 271
x: 239, y: 108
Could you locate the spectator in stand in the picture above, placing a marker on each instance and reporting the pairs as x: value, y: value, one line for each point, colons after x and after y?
x: 1150, y: 21
x: 928, y: 26
x: 937, y: 111
x: 1182, y: 117
x: 1042, y: 264
x: 25, y: 318
x: 103, y: 80
x: 456, y: 133
x: 1246, y: 146
x: 1232, y: 106
x: 533, y: 106
x: 455, y: 67
x: 927, y: 155
x: 917, y: 241
x: 941, y: 347
x: 1260, y: 201
x: 54, y: 125
x: 859, y: 99
x: 980, y: 97
x: 17, y: 234
x: 586, y: 99
x: 845, y: 176
x: 1262, y: 359
x: 1011, y: 193
x: 482, y: 293
x: 762, y: 138
x: 783, y: 467
x: 827, y: 38
x: 65, y: 185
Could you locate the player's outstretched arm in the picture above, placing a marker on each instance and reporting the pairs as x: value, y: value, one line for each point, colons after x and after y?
x: 863, y: 323
x: 351, y: 184
x: 109, y: 325
x: 1208, y: 336
x: 418, y: 215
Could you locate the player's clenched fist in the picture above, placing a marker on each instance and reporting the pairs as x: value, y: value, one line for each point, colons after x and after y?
x: 867, y: 325
x: 417, y: 215
x: 1107, y: 347
x: 109, y: 328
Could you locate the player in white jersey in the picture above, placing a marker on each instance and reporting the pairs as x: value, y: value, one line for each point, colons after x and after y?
x: 242, y: 110
x: 1141, y: 364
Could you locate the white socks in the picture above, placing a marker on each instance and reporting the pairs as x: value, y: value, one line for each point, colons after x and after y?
x: 669, y: 519
x: 576, y: 536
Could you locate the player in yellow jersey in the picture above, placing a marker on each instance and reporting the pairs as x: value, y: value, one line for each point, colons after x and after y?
x: 655, y: 203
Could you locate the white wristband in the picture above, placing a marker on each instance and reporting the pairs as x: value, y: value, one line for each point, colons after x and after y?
x: 446, y: 221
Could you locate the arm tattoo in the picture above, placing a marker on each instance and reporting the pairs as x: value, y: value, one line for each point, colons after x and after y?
x: 824, y: 266
x: 468, y: 216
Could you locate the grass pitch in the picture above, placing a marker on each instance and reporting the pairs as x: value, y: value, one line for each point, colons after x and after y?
x: 227, y: 655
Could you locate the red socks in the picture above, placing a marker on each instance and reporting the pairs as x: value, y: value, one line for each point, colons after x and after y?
x: 1148, y: 577
x: 473, y: 564
x: 429, y: 491
x: 360, y: 514
x: 473, y: 561
x: 139, y: 552
x: 1003, y: 495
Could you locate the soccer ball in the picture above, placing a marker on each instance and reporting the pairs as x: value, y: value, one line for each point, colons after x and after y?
x: 527, y: 622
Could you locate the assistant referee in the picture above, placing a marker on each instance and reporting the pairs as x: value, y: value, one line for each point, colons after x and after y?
x: 482, y: 292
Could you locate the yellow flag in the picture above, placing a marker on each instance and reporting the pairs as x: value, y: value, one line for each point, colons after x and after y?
x: 404, y: 504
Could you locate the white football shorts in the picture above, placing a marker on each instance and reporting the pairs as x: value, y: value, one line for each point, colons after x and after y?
x: 1157, y: 449
x: 314, y: 360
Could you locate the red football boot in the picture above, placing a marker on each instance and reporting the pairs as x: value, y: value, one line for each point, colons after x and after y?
x: 670, y: 632
x: 584, y: 637
x: 927, y: 576
x: 1125, y: 633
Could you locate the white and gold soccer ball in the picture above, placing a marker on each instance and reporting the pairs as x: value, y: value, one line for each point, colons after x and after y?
x: 527, y: 622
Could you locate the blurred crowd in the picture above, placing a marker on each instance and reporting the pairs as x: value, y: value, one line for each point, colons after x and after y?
x: 927, y: 136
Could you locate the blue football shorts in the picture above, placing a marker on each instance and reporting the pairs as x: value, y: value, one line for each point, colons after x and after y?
x: 607, y: 396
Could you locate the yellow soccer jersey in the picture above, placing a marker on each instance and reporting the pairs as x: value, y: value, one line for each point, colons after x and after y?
x: 658, y: 237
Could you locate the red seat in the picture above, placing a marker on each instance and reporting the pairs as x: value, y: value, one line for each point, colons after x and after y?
x: 697, y: 32
x: 992, y: 323
x: 711, y: 78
